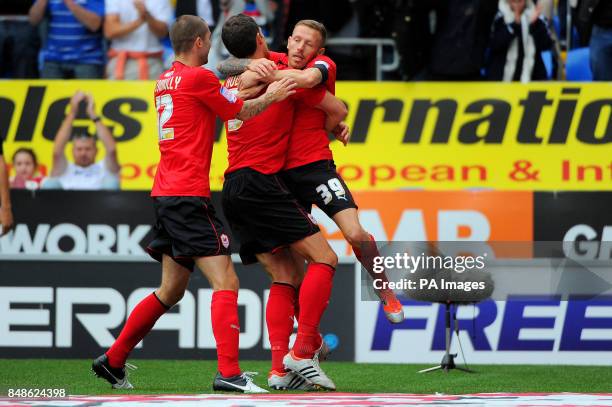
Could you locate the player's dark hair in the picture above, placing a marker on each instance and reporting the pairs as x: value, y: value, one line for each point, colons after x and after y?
x: 185, y: 30
x: 239, y: 35
x: 28, y: 151
x: 317, y: 26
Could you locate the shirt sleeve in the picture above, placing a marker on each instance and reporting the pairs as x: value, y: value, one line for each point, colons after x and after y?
x: 310, y: 97
x: 223, y: 102
x: 96, y: 6
x: 111, y: 6
x: 1, y: 148
x: 326, y: 63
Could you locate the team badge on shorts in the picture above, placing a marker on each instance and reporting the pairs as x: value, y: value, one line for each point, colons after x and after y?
x: 224, y: 240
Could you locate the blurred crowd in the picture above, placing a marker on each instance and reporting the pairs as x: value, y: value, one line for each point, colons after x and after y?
x: 509, y: 40
x: 449, y: 40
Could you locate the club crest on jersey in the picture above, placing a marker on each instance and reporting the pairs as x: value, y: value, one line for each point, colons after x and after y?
x: 224, y: 240
x: 228, y: 94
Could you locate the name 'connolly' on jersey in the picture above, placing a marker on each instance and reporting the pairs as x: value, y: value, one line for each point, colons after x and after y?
x: 188, y: 100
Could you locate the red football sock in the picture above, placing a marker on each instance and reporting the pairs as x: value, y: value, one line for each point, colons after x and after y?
x: 226, y: 328
x: 279, y: 318
x: 296, y: 304
x: 138, y: 324
x: 365, y: 253
x: 314, y: 297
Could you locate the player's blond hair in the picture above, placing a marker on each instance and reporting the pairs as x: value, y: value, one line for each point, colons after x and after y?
x: 317, y: 26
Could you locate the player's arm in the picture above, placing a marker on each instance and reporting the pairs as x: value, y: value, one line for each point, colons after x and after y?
x: 276, y: 92
x: 252, y: 92
x: 105, y: 136
x: 335, y: 110
x: 63, y: 135
x: 236, y: 66
x: 6, y: 214
x: 252, y: 83
x: 307, y: 78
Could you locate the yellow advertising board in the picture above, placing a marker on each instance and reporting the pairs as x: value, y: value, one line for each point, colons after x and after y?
x: 418, y: 135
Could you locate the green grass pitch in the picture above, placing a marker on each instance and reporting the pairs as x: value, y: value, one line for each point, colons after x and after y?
x: 195, y: 377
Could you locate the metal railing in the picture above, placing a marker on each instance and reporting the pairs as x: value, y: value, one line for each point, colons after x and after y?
x: 379, y: 43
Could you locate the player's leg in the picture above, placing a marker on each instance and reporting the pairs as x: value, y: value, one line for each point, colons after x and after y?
x: 364, y: 247
x: 111, y: 365
x: 300, y: 265
x: 216, y: 265
x: 280, y: 312
x: 314, y: 293
x: 313, y: 299
x: 324, y: 351
x: 220, y: 273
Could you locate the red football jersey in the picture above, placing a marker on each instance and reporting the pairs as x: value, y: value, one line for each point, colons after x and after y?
x: 188, y: 99
x: 308, y: 141
x: 261, y: 142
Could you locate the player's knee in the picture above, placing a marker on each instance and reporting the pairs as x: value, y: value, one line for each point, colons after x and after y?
x: 170, y: 296
x: 233, y: 283
x: 329, y: 257
x: 356, y: 235
x: 229, y: 281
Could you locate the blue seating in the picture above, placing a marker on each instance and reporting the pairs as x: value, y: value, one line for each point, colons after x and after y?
x: 547, y: 57
x: 578, y: 66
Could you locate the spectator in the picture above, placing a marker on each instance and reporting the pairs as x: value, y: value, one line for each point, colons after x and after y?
x: 85, y: 173
x: 25, y: 165
x: 598, y: 13
x: 520, y: 34
x: 74, y: 39
x: 19, y: 41
x: 207, y: 9
x: 460, y: 39
x: 135, y: 28
x: 6, y: 214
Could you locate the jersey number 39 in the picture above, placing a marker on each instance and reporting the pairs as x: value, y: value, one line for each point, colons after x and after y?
x: 334, y: 185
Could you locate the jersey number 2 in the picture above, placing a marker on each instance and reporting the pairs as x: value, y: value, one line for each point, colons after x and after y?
x: 165, y: 109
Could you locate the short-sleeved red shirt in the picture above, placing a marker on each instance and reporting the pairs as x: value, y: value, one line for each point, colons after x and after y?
x: 188, y: 99
x: 261, y: 142
x: 308, y: 140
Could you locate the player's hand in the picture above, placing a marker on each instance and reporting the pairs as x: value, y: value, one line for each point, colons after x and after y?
x: 282, y: 89
x: 6, y: 218
x: 342, y: 133
x: 75, y: 100
x: 91, y: 106
x: 263, y: 67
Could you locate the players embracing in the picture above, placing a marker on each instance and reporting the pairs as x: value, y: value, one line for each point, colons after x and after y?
x: 279, y: 165
x: 188, y: 232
